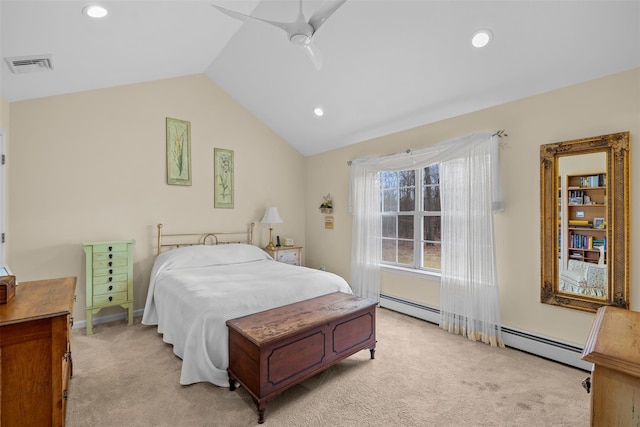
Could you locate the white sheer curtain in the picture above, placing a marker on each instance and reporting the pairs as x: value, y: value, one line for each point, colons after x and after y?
x: 366, y: 247
x: 458, y: 154
x: 469, y: 303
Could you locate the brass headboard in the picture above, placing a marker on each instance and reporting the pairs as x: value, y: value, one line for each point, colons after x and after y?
x: 176, y: 240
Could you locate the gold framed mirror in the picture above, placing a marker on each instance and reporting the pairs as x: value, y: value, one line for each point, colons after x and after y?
x: 585, y: 220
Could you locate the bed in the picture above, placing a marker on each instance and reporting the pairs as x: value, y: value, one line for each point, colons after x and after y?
x: 201, y: 280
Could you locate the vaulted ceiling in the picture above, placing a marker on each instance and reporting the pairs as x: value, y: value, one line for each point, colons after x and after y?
x: 388, y: 65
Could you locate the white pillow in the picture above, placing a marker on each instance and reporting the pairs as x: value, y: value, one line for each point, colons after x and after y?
x: 210, y: 255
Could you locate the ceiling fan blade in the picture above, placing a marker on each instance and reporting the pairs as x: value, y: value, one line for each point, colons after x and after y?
x: 247, y: 18
x: 323, y: 13
x: 314, y: 54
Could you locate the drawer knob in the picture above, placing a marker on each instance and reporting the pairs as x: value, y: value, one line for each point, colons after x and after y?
x: 110, y: 263
x: 110, y: 298
x: 110, y: 256
x: 110, y: 279
x: 110, y: 271
x: 110, y: 287
x: 110, y: 248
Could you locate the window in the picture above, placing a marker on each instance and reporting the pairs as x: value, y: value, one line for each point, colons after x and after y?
x: 410, y: 206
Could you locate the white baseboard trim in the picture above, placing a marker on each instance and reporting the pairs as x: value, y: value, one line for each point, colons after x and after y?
x: 549, y: 348
x: 106, y: 319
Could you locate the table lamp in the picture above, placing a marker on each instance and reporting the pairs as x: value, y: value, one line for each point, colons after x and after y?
x: 271, y: 216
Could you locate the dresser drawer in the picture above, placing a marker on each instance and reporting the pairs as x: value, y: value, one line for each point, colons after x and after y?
x: 110, y: 262
x: 106, y: 288
x: 113, y: 298
x: 110, y: 247
x: 110, y: 256
x: 288, y: 257
x: 109, y: 271
x: 98, y: 280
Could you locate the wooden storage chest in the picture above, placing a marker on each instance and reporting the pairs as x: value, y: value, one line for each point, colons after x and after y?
x: 275, y: 349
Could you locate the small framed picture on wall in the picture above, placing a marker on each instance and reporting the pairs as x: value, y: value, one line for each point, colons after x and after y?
x: 223, y: 178
x: 178, y: 152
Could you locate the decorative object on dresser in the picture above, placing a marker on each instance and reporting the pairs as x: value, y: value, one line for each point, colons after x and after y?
x: 613, y: 349
x: 109, y: 277
x: 178, y: 152
x: 35, y: 353
x: 271, y: 216
x: 287, y: 254
x: 276, y: 349
x: 288, y: 241
x: 7, y: 286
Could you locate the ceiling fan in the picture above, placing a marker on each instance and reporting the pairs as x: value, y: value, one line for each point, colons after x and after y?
x: 300, y: 31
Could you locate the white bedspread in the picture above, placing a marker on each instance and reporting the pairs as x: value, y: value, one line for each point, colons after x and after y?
x: 194, y: 290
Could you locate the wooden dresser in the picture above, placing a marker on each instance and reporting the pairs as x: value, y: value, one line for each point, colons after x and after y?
x: 109, y: 277
x: 276, y: 349
x: 35, y: 353
x: 613, y: 347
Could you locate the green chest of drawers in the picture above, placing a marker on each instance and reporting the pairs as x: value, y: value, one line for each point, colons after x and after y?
x: 109, y: 277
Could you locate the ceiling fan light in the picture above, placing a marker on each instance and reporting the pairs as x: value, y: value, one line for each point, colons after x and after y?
x: 95, y: 11
x: 300, y: 39
x: 481, y: 38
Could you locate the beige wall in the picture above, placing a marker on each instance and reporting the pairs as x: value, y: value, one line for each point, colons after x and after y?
x: 606, y: 105
x: 91, y: 166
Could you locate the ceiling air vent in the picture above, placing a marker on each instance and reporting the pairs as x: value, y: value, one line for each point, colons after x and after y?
x: 29, y: 64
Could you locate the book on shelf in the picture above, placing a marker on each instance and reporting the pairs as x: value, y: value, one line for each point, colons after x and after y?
x: 599, y: 180
x: 579, y: 241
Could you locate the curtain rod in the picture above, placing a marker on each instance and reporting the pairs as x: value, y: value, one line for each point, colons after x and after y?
x: 499, y: 134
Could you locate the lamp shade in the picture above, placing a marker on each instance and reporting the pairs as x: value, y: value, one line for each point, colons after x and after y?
x: 271, y: 216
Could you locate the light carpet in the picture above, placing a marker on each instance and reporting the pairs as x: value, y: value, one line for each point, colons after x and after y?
x: 421, y: 376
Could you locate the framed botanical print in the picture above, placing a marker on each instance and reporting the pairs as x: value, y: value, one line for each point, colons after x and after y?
x: 223, y: 178
x: 178, y: 152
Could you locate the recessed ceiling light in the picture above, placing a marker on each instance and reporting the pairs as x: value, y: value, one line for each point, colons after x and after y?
x: 481, y: 38
x: 318, y: 111
x: 95, y: 11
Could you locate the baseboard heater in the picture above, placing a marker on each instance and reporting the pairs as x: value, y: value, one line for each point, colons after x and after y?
x: 558, y: 351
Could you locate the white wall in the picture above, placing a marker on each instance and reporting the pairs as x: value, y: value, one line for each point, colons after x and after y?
x: 603, y: 106
x: 91, y: 166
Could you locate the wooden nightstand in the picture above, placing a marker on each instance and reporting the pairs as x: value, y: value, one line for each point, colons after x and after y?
x: 109, y: 277
x: 287, y: 254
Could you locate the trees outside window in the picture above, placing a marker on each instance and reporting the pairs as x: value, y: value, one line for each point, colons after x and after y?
x: 411, y: 222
